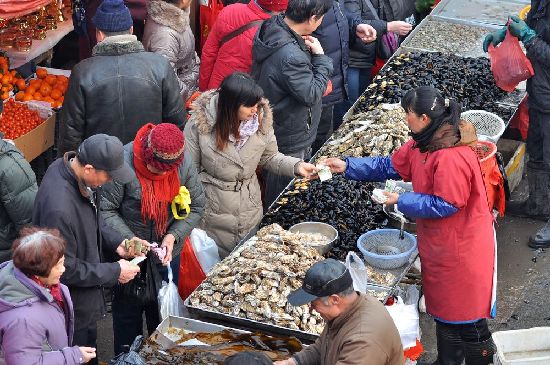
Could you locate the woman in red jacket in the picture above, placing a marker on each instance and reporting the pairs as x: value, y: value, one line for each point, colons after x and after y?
x: 228, y: 47
x: 456, y: 238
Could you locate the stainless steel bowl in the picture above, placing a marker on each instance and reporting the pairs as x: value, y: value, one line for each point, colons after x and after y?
x: 317, y: 227
x: 395, y: 221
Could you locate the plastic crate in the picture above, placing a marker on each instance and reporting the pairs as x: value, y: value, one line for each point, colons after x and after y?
x: 523, y: 347
x: 382, y: 248
x: 489, y: 126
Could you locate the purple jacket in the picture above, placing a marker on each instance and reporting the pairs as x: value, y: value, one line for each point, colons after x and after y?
x: 33, y: 328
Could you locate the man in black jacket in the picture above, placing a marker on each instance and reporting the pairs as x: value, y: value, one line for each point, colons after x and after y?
x: 68, y: 200
x: 290, y: 66
x: 121, y: 88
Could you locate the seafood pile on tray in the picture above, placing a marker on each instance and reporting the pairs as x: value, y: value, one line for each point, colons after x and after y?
x: 254, y: 281
x: 376, y: 132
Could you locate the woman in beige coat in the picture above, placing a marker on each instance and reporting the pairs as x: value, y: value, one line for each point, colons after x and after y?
x: 167, y: 32
x: 229, y: 135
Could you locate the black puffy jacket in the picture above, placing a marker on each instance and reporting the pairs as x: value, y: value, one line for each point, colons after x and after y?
x: 17, y: 191
x: 293, y: 81
x: 538, y: 52
x: 117, y: 91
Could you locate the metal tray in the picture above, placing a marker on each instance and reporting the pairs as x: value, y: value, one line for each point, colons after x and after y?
x: 261, y: 326
x: 479, y: 11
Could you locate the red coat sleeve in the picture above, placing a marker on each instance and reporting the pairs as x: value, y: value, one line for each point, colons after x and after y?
x: 210, y: 53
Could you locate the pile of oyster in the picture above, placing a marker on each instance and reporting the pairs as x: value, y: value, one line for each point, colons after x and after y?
x: 376, y: 132
x: 467, y: 80
x: 254, y: 281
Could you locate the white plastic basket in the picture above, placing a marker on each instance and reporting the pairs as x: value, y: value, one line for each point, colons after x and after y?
x: 489, y: 126
x: 523, y: 347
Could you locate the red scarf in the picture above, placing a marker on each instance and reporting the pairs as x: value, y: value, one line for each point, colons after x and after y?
x: 55, y: 291
x: 157, y: 191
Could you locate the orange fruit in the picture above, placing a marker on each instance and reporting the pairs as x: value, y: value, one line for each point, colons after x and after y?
x: 37, y: 96
x: 50, y: 79
x: 5, y: 95
x: 10, y: 87
x: 20, y: 95
x: 4, y: 89
x: 35, y: 82
x: 56, y: 93
x: 62, y: 78
x: 20, y: 83
x: 45, y: 89
x: 41, y: 73
x: 31, y: 89
x: 27, y: 97
x: 5, y: 80
x: 48, y: 99
x: 61, y: 100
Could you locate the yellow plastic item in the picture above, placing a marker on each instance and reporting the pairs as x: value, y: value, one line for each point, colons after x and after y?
x: 181, y: 202
x: 524, y: 11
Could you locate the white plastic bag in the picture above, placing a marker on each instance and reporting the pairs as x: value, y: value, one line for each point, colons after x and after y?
x: 358, y: 272
x: 205, y: 249
x: 170, y: 303
x: 405, y: 315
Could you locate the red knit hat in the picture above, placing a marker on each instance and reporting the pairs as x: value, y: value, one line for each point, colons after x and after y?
x: 163, y: 147
x: 273, y: 5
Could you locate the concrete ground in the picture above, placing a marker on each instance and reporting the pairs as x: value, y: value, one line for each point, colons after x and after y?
x: 523, y: 287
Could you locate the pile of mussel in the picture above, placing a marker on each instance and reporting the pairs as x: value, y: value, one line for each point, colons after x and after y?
x: 344, y: 204
x: 467, y: 80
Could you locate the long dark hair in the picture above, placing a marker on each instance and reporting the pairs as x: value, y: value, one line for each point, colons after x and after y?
x: 428, y: 100
x: 236, y: 89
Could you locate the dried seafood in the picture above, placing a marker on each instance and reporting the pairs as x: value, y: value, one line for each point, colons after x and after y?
x: 254, y: 281
x: 377, y: 132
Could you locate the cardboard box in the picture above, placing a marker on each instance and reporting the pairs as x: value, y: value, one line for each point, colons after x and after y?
x: 38, y: 140
x: 513, y: 153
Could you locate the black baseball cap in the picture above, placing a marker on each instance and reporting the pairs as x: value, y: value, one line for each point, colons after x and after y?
x: 105, y: 153
x: 322, y: 279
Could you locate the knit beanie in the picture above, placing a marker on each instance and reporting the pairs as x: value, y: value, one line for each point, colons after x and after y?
x: 163, y: 147
x: 273, y: 5
x: 112, y: 16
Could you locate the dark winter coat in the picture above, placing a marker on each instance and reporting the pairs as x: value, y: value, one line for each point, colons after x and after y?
x: 121, y: 205
x: 538, y: 52
x: 34, y: 330
x: 117, y: 91
x: 17, y: 191
x: 59, y: 204
x: 363, y: 55
x: 217, y: 61
x: 293, y: 81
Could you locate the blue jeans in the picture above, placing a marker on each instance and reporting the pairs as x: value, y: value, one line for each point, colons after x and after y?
x: 358, y: 81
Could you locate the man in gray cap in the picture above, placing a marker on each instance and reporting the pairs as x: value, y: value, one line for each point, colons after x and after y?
x: 68, y: 200
x: 358, y: 330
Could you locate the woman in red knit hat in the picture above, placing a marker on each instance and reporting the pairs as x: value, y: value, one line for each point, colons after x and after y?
x: 229, y: 135
x: 228, y: 47
x: 143, y: 208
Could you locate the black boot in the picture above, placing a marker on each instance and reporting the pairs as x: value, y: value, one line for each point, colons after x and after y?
x: 542, y: 238
x: 450, y: 349
x: 536, y: 206
x: 479, y: 353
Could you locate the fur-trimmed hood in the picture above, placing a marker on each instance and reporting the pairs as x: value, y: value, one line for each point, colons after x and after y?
x: 168, y: 15
x: 205, y: 108
x: 118, y: 45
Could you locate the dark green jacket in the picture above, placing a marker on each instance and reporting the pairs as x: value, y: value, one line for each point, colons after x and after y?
x: 121, y: 205
x: 17, y: 191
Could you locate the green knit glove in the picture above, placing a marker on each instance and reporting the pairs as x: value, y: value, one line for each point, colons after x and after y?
x: 521, y: 30
x: 495, y: 37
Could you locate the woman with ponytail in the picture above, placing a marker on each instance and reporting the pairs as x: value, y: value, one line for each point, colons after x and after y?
x: 456, y: 238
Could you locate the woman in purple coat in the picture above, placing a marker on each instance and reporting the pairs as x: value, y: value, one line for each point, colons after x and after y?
x: 36, y: 312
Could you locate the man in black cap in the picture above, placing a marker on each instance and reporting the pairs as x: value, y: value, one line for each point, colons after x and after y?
x: 68, y: 200
x: 359, y: 330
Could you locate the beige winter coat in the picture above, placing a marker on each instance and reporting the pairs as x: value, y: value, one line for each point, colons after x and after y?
x: 167, y: 32
x: 233, y: 200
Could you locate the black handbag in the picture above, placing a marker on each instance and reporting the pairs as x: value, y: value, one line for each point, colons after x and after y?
x: 144, y: 288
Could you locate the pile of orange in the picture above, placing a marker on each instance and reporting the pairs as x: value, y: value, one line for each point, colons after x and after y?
x: 8, y: 79
x: 46, y: 87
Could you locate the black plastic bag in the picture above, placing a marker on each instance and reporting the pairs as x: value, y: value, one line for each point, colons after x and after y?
x: 144, y: 288
x: 131, y: 357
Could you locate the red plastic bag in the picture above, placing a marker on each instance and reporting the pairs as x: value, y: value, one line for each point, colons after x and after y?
x: 191, y: 274
x: 520, y: 121
x: 509, y: 64
x: 208, y: 15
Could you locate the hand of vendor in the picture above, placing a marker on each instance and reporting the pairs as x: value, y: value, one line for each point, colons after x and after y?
x: 495, y: 38
x: 365, y: 33
x: 336, y: 165
x: 392, y: 198
x: 168, y: 242
x: 289, y: 361
x: 521, y: 30
x: 137, y: 247
x: 305, y: 169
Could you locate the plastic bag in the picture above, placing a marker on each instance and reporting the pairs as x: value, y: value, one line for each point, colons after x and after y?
x: 509, y: 64
x: 132, y: 357
x: 191, y: 274
x: 520, y: 121
x: 170, y: 303
x: 205, y: 249
x: 404, y: 313
x: 358, y: 272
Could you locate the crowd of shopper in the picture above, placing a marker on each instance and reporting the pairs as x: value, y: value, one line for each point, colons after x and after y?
x: 275, y: 78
